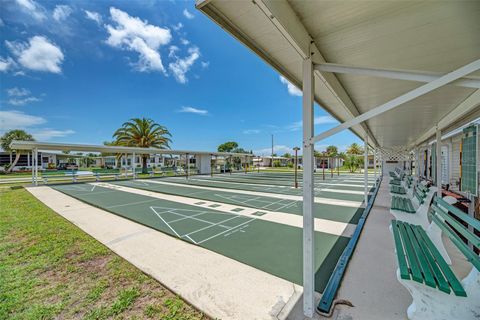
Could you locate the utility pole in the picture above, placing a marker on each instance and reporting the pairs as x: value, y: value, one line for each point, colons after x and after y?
x: 296, y: 165
x: 272, y: 152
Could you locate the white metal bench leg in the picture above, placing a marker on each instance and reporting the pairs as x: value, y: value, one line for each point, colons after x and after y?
x: 433, y: 304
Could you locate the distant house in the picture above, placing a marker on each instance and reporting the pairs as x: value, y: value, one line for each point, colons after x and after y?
x: 266, y: 161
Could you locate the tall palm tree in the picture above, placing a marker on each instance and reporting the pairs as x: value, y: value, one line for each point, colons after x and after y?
x: 354, y: 149
x: 143, y: 133
x: 8, y: 137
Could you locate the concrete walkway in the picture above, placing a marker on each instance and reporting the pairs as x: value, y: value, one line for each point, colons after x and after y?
x: 219, y: 286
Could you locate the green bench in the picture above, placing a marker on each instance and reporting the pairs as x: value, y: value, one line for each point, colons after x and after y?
x: 396, y: 182
x: 423, y: 188
x: 402, y: 204
x: 413, y: 210
x: 436, y: 291
x: 98, y: 173
x: 397, y: 189
x: 59, y: 175
x: 409, y: 181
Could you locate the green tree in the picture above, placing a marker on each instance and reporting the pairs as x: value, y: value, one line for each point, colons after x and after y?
x: 227, y: 146
x: 353, y: 162
x: 7, y: 139
x: 143, y: 133
x: 354, y: 149
x: 287, y: 155
x: 332, y: 151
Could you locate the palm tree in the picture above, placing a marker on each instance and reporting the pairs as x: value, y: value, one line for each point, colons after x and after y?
x: 8, y: 137
x: 143, y: 133
x: 354, y: 149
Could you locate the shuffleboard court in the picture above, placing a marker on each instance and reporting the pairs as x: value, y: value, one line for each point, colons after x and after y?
x: 349, y: 213
x: 271, y: 247
x: 327, y: 191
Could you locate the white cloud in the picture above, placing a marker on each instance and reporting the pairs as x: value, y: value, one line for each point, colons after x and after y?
x: 172, y: 51
x: 1, y: 23
x: 180, y: 67
x: 38, y: 54
x: 177, y: 26
x: 47, y: 133
x: 251, y: 131
x: 12, y: 119
x: 6, y: 64
x: 292, y: 90
x: 193, y: 110
x: 22, y: 101
x: 18, y: 92
x: 297, y: 125
x: 184, y: 41
x: 187, y: 14
x: 33, y: 9
x: 205, y: 64
x: 94, y: 16
x: 278, y: 149
x: 133, y: 34
x: 61, y: 12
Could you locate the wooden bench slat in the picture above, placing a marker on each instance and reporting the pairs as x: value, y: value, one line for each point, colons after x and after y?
x: 402, y: 263
x: 475, y: 240
x: 440, y: 279
x: 412, y: 259
x: 444, y: 267
x: 421, y: 259
x: 460, y: 214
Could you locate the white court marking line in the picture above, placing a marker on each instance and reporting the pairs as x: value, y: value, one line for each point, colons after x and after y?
x: 330, y: 201
x: 93, y: 188
x: 246, y: 201
x: 131, y: 203
x: 211, y: 224
x: 270, y: 187
x: 219, y: 234
x: 333, y: 227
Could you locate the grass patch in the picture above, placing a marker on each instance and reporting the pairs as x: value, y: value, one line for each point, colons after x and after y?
x: 51, y: 269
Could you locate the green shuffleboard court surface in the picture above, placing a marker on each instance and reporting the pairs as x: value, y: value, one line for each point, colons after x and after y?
x: 272, y: 247
x: 348, y: 214
x: 280, y: 189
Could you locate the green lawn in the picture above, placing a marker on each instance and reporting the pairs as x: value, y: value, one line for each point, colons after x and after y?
x: 51, y: 269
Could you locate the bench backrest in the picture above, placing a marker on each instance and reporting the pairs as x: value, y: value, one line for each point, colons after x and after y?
x: 452, y: 227
x: 113, y: 171
x: 420, y: 195
x: 422, y: 187
x: 58, y: 172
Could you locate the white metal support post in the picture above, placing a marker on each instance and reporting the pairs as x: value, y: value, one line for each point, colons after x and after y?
x: 308, y: 231
x: 365, y: 170
x: 36, y: 166
x: 187, y: 164
x: 375, y: 165
x: 133, y: 165
x: 32, y: 166
x: 438, y: 165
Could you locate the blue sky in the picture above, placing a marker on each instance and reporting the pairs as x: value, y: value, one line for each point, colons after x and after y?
x: 74, y: 71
